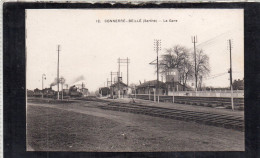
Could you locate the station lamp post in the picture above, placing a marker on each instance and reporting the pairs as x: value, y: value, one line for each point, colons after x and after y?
x: 43, y: 78
x: 62, y: 81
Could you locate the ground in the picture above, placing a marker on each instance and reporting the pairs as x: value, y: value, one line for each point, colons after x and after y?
x: 81, y: 126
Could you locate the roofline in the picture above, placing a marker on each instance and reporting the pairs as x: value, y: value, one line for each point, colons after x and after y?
x: 113, y: 85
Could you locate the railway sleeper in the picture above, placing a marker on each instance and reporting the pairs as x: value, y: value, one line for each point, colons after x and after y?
x: 198, y: 116
x: 150, y: 109
x: 186, y: 117
x: 199, y: 119
x: 206, y: 114
x: 219, y: 119
x: 213, y: 120
x: 226, y: 117
x: 220, y: 123
x: 170, y: 115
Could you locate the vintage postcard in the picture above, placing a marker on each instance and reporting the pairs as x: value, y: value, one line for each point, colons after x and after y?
x: 134, y: 80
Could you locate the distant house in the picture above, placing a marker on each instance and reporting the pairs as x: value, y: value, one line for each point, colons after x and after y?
x: 173, y: 81
x: 132, y: 89
x: 30, y: 93
x: 65, y: 91
x: 84, y: 91
x: 104, y: 91
x: 118, y: 89
x: 150, y: 86
x: 36, y: 90
x: 78, y: 91
x: 164, y: 88
x: 49, y: 91
x: 175, y: 86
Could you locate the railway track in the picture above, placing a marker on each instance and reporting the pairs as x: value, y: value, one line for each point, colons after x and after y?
x: 219, y: 120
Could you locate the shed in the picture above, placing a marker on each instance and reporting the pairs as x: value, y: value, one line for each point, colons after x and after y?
x: 118, y: 89
x: 149, y: 86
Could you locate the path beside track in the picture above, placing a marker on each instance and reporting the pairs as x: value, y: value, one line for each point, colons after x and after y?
x: 83, y: 126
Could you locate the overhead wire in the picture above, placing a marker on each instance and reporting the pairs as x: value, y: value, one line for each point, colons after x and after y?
x: 215, y: 76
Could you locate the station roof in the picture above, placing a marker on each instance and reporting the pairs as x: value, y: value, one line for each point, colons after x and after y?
x: 104, y: 88
x: 151, y: 83
x: 116, y: 84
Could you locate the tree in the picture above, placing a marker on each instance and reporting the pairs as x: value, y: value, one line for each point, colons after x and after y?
x: 186, y: 71
x: 238, y: 84
x: 202, y: 65
x: 173, y: 58
x: 179, y: 58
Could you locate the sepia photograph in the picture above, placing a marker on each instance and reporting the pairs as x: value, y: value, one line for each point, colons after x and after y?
x: 134, y: 80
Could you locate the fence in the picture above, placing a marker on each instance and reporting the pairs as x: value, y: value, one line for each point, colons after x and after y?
x: 215, y: 93
x: 224, y: 102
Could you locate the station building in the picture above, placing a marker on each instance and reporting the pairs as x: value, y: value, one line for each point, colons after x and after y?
x: 171, y: 85
x: 150, y: 86
x: 104, y: 91
x: 118, y: 89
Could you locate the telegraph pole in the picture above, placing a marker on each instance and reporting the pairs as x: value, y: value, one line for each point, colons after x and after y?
x: 157, y: 47
x: 113, y: 73
x: 157, y: 71
x: 127, y: 62
x: 118, y: 78
x: 62, y: 81
x: 58, y: 80
x: 194, y: 40
x: 230, y: 71
x: 127, y: 71
x: 109, y: 83
x: 122, y: 61
x: 111, y: 77
x: 119, y: 66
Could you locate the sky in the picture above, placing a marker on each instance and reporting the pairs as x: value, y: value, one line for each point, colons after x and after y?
x: 90, y: 49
